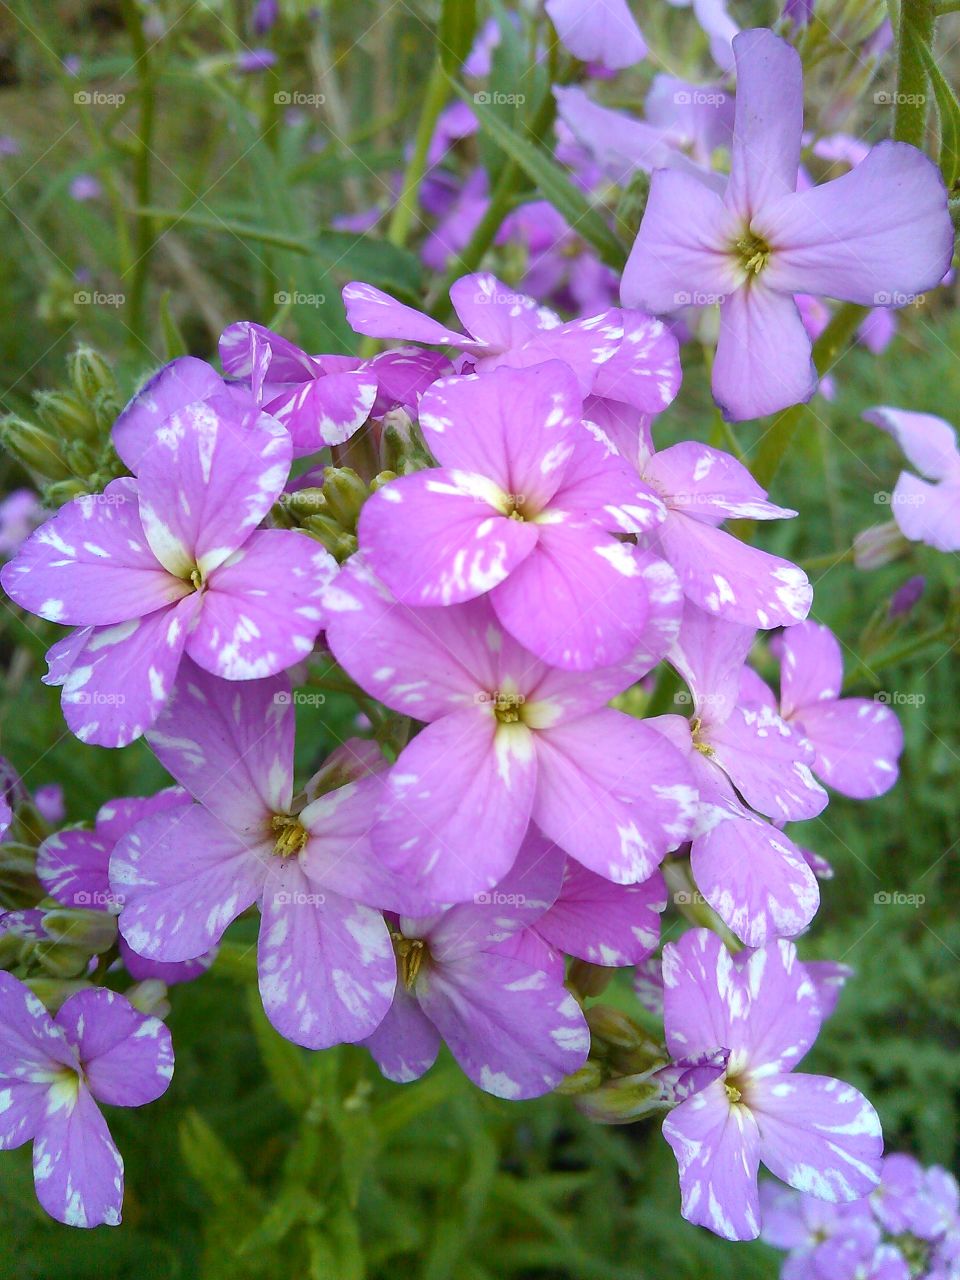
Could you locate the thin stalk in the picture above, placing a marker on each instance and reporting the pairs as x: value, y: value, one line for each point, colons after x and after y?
x: 775, y: 444
x: 143, y: 172
x: 914, y: 36
x: 404, y: 212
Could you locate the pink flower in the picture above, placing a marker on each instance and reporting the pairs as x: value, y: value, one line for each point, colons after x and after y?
x: 818, y: 1134
x: 879, y: 231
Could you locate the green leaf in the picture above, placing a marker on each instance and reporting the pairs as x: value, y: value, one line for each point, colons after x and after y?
x: 213, y: 1164
x: 458, y: 23
x: 948, y: 110
x: 374, y: 261
x: 173, y: 340
x: 285, y: 1062
x: 553, y: 184
x: 292, y: 1207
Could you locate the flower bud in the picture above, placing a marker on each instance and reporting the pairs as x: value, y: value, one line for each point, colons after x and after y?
x: 94, y: 931
x: 53, y: 992
x: 65, y: 415
x: 879, y: 545
x: 150, y: 997
x: 37, y: 449
x: 613, y: 1029
x: 345, y: 493
x: 60, y: 960
x: 90, y: 373
x: 621, y: 1101
x: 588, y: 1078
x: 402, y: 449
x: 906, y: 597
x: 326, y: 530
x: 589, y: 979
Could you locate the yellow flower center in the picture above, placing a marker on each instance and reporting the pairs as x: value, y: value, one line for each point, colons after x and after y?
x: 289, y: 835
x: 752, y: 252
x: 410, y: 953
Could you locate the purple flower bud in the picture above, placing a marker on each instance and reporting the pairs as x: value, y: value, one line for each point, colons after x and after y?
x: 906, y: 596
x: 255, y: 60
x: 265, y: 14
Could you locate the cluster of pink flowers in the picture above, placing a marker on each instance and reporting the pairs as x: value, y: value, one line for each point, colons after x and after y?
x: 537, y: 558
x: 908, y: 1227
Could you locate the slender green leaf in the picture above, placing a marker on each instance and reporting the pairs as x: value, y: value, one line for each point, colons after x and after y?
x: 554, y: 185
x: 458, y: 24
x: 948, y: 110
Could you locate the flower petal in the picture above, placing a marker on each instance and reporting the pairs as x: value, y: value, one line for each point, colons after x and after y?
x: 717, y: 1147
x: 127, y: 1056
x: 515, y: 1031
x: 612, y: 794
x: 439, y: 537
x: 876, y: 236
x: 763, y: 359
x: 262, y: 610
x: 818, y: 1134
x: 183, y: 877
x: 327, y: 968
x: 91, y: 564
x: 458, y: 804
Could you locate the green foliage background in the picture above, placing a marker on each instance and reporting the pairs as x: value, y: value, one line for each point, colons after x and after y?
x: 264, y: 1159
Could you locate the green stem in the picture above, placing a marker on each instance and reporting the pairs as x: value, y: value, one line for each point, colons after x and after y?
x: 502, y: 200
x: 145, y: 237
x: 405, y: 209
x: 915, y: 35
x: 775, y: 444
x: 893, y: 657
x: 827, y: 560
